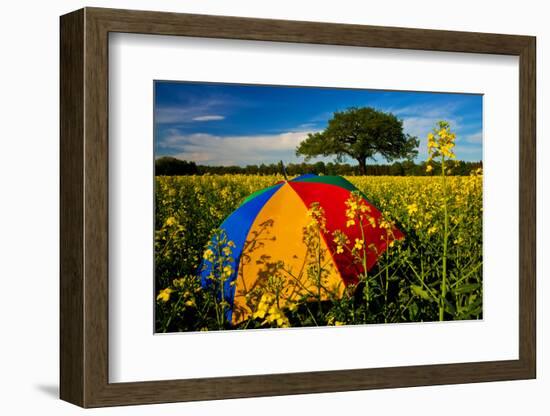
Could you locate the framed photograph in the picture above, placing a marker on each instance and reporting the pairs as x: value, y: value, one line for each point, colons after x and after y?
x: 255, y: 207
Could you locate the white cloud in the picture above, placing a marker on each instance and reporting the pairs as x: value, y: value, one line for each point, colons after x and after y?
x: 208, y: 118
x: 420, y: 127
x: 306, y: 126
x: 469, y: 153
x: 209, y: 149
x: 474, y: 138
x: 419, y: 120
x: 195, y: 110
x: 166, y: 115
x: 426, y: 110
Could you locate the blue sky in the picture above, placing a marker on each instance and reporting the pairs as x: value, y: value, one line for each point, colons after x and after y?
x: 233, y: 124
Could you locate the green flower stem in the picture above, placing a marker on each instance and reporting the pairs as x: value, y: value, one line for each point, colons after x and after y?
x: 174, y: 311
x: 386, y: 283
x: 445, y: 238
x: 364, y: 261
x: 319, y: 272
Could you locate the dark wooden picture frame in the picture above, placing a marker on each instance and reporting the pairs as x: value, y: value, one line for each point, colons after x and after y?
x: 84, y: 207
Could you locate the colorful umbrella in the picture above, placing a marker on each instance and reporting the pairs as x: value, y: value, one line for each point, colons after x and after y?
x: 265, y: 236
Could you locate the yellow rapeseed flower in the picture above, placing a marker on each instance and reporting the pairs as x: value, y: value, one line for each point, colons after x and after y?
x: 412, y: 209
x: 164, y: 295
x: 365, y: 208
x: 208, y: 254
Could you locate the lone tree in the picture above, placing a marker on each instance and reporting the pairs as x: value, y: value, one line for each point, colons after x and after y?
x: 361, y: 133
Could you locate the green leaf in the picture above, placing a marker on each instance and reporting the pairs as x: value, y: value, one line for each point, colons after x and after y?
x: 467, y: 288
x: 449, y: 308
x: 474, y: 308
x: 418, y: 291
x: 413, y: 312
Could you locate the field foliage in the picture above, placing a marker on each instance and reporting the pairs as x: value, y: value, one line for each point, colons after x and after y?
x: 434, y: 273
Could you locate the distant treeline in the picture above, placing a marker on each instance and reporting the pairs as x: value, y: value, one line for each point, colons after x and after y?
x: 170, y: 166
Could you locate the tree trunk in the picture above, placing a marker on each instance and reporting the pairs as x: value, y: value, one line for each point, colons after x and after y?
x: 362, y: 166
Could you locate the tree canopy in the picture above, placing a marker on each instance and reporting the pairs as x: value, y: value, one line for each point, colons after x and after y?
x: 398, y: 168
x: 170, y: 166
x: 361, y: 133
